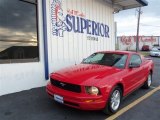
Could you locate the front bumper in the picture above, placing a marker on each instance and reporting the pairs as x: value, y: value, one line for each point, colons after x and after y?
x: 155, y: 54
x: 77, y: 100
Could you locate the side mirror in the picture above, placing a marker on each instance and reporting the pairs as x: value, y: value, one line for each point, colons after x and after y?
x: 134, y: 65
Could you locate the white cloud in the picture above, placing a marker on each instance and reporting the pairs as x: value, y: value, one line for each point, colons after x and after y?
x: 150, y: 20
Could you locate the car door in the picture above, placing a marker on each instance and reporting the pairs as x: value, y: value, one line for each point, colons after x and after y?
x: 133, y: 75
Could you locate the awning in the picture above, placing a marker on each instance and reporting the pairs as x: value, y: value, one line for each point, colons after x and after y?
x: 119, y: 5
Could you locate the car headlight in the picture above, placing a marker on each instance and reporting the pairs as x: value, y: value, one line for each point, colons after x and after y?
x: 92, y: 90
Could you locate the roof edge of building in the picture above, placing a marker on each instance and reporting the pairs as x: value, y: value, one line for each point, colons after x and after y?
x: 143, y: 2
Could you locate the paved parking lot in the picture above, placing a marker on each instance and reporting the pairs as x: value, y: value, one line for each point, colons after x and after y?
x: 35, y: 105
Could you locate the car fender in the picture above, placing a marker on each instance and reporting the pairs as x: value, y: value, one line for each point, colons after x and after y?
x: 117, y: 83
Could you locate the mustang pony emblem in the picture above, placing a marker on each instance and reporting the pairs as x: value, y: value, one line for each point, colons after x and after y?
x: 62, y: 84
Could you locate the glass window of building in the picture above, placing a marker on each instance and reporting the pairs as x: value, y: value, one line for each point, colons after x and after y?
x: 18, y: 31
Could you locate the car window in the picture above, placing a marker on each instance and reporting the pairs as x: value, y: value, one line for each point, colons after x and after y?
x: 107, y: 59
x: 120, y: 63
x: 94, y: 58
x: 135, y: 59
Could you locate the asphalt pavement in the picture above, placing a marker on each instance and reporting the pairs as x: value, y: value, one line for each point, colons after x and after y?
x: 34, y: 104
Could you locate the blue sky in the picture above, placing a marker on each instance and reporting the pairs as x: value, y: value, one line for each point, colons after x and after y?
x: 150, y: 20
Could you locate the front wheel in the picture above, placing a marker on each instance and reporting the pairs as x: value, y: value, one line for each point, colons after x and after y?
x: 148, y: 83
x: 114, y: 101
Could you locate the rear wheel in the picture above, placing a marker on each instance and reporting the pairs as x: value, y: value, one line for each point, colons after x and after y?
x: 114, y: 101
x: 148, y: 83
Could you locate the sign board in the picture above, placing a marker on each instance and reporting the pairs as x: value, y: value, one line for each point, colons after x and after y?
x: 129, y: 42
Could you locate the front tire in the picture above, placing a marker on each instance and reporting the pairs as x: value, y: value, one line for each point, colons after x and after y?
x: 114, y: 101
x: 148, y: 83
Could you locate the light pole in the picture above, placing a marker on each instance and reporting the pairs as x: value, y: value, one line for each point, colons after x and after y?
x: 137, y: 37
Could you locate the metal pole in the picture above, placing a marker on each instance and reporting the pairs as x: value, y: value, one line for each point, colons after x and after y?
x: 158, y: 41
x: 137, y: 40
x: 46, y: 63
x: 116, y: 41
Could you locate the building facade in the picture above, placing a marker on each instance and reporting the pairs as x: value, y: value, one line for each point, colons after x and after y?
x: 38, y: 37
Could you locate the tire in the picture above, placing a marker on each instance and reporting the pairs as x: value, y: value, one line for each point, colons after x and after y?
x: 148, y: 82
x: 113, y: 102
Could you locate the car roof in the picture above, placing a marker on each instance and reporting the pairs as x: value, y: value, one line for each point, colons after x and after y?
x: 118, y: 52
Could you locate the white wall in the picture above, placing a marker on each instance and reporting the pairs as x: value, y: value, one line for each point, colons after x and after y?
x: 22, y: 76
x: 73, y: 47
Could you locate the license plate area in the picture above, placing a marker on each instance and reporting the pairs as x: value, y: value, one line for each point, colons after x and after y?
x: 58, y: 98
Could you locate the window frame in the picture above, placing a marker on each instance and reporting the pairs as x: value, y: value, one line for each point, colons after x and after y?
x: 29, y: 60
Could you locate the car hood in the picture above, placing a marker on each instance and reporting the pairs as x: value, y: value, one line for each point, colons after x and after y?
x: 84, y: 74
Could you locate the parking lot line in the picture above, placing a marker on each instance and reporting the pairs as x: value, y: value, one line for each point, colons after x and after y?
x: 123, y: 110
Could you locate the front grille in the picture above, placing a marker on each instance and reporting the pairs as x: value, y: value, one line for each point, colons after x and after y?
x: 66, y: 86
x: 70, y: 103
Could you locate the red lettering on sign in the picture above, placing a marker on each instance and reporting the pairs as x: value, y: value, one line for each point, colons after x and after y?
x: 75, y: 13
x: 128, y: 40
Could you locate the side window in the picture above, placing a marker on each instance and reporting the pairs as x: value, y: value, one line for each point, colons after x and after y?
x: 135, y: 59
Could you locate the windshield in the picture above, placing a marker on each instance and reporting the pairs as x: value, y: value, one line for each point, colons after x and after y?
x: 107, y: 59
x: 155, y: 50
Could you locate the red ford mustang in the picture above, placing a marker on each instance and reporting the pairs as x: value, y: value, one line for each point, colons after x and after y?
x: 101, y: 80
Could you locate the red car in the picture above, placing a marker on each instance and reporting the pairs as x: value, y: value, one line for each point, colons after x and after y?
x: 145, y: 48
x: 101, y: 80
